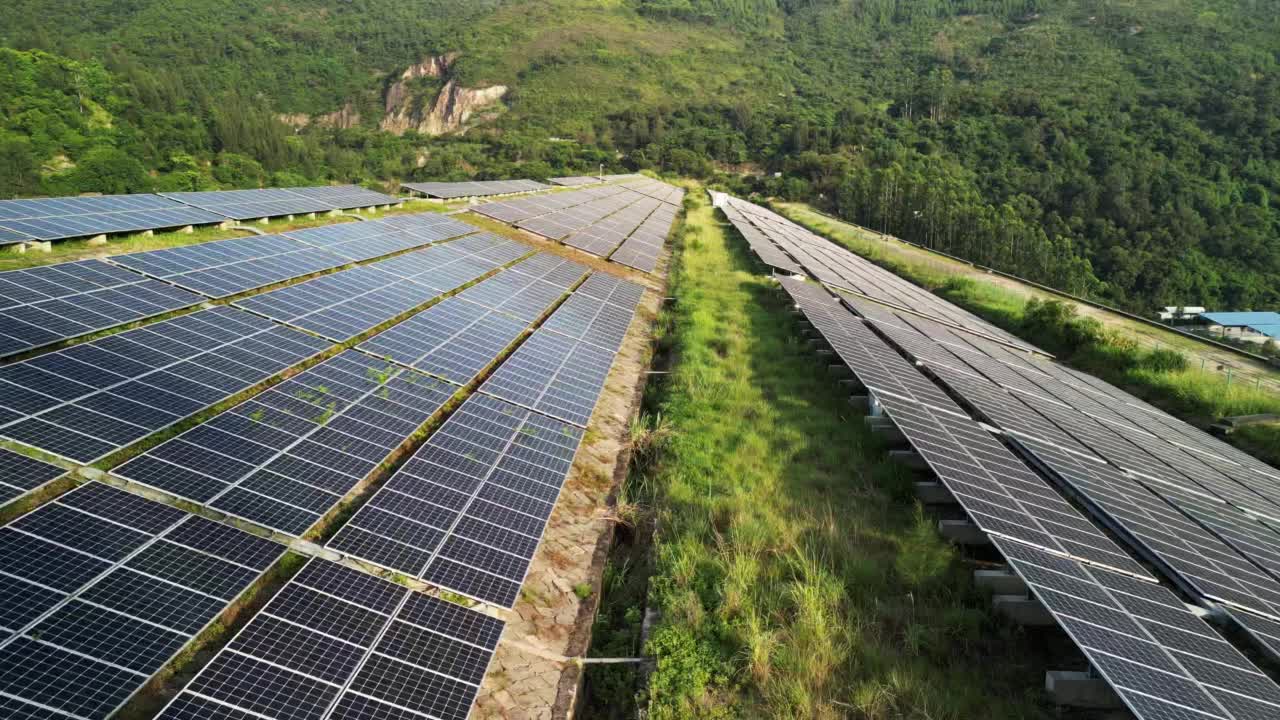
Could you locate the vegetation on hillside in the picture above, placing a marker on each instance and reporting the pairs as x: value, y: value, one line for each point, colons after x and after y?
x: 1124, y: 149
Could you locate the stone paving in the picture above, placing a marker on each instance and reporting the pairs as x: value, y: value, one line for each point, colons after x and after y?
x: 532, y: 676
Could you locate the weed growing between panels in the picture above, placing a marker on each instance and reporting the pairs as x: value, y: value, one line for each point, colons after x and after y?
x: 792, y: 572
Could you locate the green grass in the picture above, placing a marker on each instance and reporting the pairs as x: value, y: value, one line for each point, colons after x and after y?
x: 793, y: 573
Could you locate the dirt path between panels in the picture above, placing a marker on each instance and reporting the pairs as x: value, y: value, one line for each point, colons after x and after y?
x: 533, y: 675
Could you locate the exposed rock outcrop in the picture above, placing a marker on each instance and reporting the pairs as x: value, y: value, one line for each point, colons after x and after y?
x: 343, y: 118
x: 452, y: 107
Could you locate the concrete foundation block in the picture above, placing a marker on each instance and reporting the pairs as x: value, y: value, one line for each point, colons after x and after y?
x: 288, y: 218
x: 963, y: 532
x: 1000, y: 582
x: 43, y: 246
x: 1074, y: 688
x: 839, y: 370
x: 263, y: 221
x: 1023, y: 610
x: 933, y: 493
x: 311, y: 216
x: 187, y: 230
x: 97, y: 240
x: 912, y: 460
x: 148, y: 233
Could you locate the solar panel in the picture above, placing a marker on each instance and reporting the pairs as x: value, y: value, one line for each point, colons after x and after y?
x: 9, y: 237
x: 613, y: 290
x: 222, y: 268
x: 336, y: 643
x: 20, y: 474
x: 87, y: 401
x: 468, y: 510
x: 581, y: 317
x: 346, y: 196
x: 103, y: 588
x: 454, y: 339
x: 288, y: 456
x: 555, y: 375
x: 47, y: 304
x: 71, y: 217
x: 575, y: 180
x: 345, y: 304
x: 553, y: 269
x: 253, y: 204
x: 429, y: 226
x: 479, y: 188
x: 521, y: 296
x: 1162, y: 660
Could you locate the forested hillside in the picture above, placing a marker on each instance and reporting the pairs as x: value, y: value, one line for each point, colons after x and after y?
x: 1125, y: 149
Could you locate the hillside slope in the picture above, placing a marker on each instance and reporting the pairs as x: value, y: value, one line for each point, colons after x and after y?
x: 1125, y: 149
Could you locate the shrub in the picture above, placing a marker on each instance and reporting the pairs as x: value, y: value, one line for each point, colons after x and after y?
x: 1163, y: 360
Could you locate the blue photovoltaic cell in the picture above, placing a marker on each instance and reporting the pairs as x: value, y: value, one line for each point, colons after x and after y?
x: 252, y: 204
x: 20, y: 474
x: 47, y: 304
x: 348, y: 303
x: 102, y: 588
x: 337, y: 643
x: 291, y: 454
x: 87, y: 401
x: 68, y: 217
x: 479, y: 188
x: 468, y: 510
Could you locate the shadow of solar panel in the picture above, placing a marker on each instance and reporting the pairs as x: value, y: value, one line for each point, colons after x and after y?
x: 338, y: 639
x: 87, y: 401
x: 468, y: 510
x: 300, y: 447
x: 106, y: 588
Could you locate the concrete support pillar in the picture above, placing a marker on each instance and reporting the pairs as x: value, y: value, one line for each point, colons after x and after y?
x: 1074, y: 688
x: 839, y: 370
x: 311, y: 216
x: 884, y: 428
x: 963, y: 532
x: 43, y: 246
x: 288, y: 218
x: 263, y: 221
x: 148, y: 233
x: 911, y: 459
x: 1000, y: 582
x: 98, y: 240
x: 226, y: 225
x: 933, y: 493
x: 189, y: 229
x: 1023, y: 610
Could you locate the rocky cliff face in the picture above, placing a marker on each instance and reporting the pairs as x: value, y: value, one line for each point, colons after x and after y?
x: 344, y: 118
x: 452, y: 107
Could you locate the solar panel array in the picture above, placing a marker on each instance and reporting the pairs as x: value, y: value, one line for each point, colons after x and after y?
x: 101, y: 589
x: 468, y: 510
x: 286, y: 457
x: 87, y: 401
x: 644, y: 246
x: 336, y: 644
x: 44, y: 305
x: 1181, y: 500
x: 458, y: 338
x: 560, y: 375
x: 345, y: 304
x: 69, y: 217
x: 477, y: 188
x: 274, y: 202
x: 575, y: 180
x: 72, y: 217
x: 515, y: 211
x: 20, y: 475
x: 782, y: 244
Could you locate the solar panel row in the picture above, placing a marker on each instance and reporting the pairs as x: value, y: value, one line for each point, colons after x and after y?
x: 478, y: 188
x: 288, y: 456
x: 20, y: 475
x: 1154, y: 481
x: 101, y: 589
x: 87, y: 401
x: 515, y: 211
x: 643, y: 248
x: 575, y: 180
x: 458, y: 338
x: 796, y: 249
x: 468, y: 510
x: 336, y: 644
x: 44, y: 305
x: 345, y: 304
x: 70, y: 217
